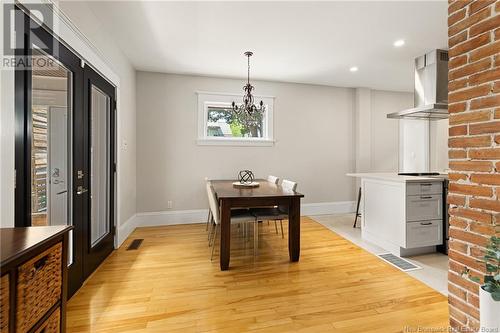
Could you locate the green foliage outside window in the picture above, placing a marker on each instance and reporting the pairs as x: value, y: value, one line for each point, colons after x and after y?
x: 241, y: 124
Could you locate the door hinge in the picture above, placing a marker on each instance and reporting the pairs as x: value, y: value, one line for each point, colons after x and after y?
x: 114, y: 167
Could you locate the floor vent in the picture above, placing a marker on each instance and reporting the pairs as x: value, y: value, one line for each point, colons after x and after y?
x: 135, y: 244
x: 398, y: 262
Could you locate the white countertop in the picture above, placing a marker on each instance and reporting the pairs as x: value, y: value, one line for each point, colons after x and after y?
x: 394, y: 177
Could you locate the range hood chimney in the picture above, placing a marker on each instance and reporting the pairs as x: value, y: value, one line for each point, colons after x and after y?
x: 431, y: 88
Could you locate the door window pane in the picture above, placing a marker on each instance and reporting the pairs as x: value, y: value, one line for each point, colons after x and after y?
x: 99, y: 175
x: 51, y: 143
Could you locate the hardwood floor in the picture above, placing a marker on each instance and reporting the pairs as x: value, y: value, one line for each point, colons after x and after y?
x: 170, y: 285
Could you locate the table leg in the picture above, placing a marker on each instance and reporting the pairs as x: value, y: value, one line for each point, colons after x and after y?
x: 294, y: 229
x: 225, y: 235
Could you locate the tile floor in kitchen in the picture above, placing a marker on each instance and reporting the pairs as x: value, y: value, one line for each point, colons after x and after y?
x: 434, y: 271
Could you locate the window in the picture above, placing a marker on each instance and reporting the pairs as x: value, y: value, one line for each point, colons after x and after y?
x: 219, y: 125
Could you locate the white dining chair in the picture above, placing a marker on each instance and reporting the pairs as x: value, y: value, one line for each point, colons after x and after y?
x: 288, y: 185
x: 238, y: 216
x: 275, y: 213
x: 273, y: 179
x: 209, y: 217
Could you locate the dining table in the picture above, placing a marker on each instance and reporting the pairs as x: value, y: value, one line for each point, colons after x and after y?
x: 266, y: 194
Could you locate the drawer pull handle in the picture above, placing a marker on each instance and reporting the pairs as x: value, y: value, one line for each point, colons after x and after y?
x: 425, y: 184
x: 425, y: 223
x: 426, y: 197
x: 40, y: 263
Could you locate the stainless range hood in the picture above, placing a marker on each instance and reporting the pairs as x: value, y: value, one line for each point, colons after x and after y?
x: 431, y: 88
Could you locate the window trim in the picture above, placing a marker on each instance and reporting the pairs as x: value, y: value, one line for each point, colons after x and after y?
x: 206, y: 99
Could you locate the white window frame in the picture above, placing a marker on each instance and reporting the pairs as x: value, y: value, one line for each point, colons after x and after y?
x: 211, y: 99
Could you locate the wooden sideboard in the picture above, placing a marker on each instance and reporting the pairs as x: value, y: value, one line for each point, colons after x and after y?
x: 33, y: 279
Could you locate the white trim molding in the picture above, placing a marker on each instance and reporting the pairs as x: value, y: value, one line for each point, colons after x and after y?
x: 235, y: 142
x: 125, y: 229
x: 326, y: 208
x: 151, y: 219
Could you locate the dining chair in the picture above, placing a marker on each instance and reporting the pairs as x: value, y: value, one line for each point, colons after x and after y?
x: 275, y: 213
x: 273, y: 179
x: 209, y: 217
x: 289, y: 185
x: 238, y: 216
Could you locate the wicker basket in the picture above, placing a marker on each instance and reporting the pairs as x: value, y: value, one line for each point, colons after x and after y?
x: 51, y: 325
x: 38, y: 287
x: 4, y: 304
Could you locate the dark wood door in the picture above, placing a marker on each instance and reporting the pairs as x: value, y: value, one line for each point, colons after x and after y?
x: 99, y: 168
x: 49, y: 105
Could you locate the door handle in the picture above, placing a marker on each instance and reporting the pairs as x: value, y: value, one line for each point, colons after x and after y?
x: 80, y: 190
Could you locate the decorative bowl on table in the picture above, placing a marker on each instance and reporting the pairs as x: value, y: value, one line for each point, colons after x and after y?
x: 246, y: 185
x: 246, y: 180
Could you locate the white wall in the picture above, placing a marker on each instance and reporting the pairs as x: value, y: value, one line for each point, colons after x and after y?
x: 111, y: 58
x: 423, y: 145
x: 362, y: 129
x: 377, y: 136
x: 439, y: 145
x: 414, y: 145
x: 314, y: 132
x: 384, y: 131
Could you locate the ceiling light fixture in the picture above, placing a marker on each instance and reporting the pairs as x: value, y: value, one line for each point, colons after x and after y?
x: 399, y: 43
x: 353, y: 69
x: 248, y: 105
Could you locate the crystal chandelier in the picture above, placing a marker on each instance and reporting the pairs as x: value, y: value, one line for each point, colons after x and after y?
x: 248, y: 105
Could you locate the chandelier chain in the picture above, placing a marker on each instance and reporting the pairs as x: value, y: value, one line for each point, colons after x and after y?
x: 248, y: 105
x: 248, y: 70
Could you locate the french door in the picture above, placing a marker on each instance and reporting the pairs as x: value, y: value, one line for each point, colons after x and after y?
x: 65, y: 165
x: 98, y: 169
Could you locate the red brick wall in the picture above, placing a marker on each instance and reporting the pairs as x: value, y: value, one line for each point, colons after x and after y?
x: 474, y: 147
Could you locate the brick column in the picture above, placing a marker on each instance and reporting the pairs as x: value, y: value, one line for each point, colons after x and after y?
x: 474, y: 148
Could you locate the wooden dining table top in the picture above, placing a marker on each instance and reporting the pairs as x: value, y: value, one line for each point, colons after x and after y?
x: 225, y: 189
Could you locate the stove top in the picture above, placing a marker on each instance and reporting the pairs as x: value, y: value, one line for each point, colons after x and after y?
x: 419, y: 174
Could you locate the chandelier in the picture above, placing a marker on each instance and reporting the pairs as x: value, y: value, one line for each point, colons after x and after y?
x: 248, y: 104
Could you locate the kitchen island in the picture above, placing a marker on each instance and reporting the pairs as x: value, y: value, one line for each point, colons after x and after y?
x: 402, y: 214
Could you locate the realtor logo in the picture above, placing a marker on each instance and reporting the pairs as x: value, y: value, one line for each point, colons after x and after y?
x: 15, y: 22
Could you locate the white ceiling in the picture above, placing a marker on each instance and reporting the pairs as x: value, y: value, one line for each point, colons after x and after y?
x: 306, y: 42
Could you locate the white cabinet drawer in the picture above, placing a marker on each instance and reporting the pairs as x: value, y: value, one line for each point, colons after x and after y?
x: 424, y: 188
x: 424, y: 207
x: 424, y: 233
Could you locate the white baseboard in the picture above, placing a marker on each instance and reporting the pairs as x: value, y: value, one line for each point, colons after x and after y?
x: 125, y: 230
x: 151, y: 219
x: 325, y: 208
